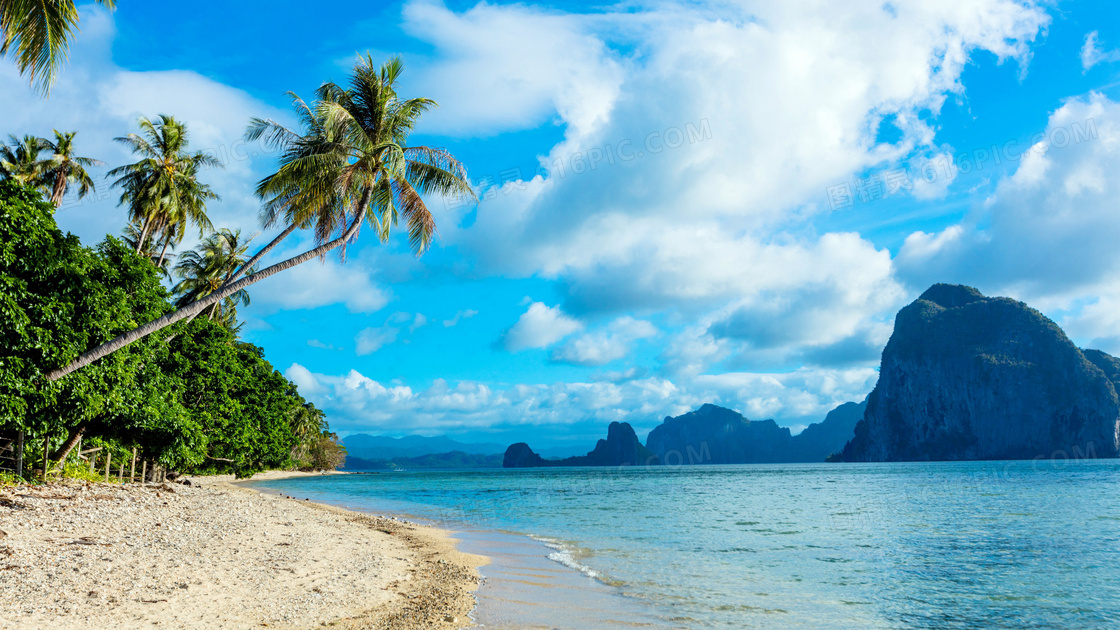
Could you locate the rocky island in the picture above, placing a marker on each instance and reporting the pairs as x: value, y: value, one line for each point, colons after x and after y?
x: 968, y: 377
x: 621, y: 448
x: 708, y: 435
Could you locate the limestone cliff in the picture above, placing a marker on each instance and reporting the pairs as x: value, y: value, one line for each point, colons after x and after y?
x: 716, y: 435
x: 621, y: 448
x: 968, y: 377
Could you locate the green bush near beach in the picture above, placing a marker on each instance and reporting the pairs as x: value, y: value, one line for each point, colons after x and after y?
x: 192, y: 398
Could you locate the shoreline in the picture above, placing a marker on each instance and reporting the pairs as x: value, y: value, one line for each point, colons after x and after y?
x: 216, y: 554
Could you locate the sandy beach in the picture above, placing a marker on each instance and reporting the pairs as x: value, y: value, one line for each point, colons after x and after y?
x: 216, y: 555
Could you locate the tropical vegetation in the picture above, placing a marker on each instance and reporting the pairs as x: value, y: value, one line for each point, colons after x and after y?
x: 351, y: 165
x: 128, y: 345
x: 197, y: 399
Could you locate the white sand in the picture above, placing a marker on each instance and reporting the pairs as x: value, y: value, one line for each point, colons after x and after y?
x: 218, y: 556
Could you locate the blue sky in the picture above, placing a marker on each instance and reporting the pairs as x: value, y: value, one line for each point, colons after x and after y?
x: 682, y: 203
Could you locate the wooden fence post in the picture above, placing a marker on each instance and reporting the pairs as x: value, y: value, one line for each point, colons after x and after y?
x: 132, y: 469
x: 46, y: 453
x: 19, y: 454
x: 144, y: 472
x: 120, y: 472
x: 108, y: 460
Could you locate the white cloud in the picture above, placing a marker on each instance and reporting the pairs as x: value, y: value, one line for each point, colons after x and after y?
x: 539, y: 327
x: 1048, y: 233
x: 1091, y: 53
x: 807, y: 394
x: 355, y: 402
x: 370, y: 340
x: 417, y: 322
x: 715, y: 224
x: 320, y: 283
x: 1050, y: 229
x: 454, y: 321
x: 604, y: 346
x: 511, y: 67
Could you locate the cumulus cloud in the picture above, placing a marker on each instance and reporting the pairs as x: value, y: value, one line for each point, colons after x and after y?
x: 1049, y: 230
x: 604, y: 346
x: 355, y: 402
x: 539, y: 327
x: 489, y: 77
x: 698, y: 205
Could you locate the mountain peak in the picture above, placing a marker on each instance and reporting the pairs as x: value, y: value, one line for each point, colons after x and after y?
x: 951, y: 295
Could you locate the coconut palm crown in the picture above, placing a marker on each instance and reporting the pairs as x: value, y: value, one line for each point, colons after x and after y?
x: 207, y: 268
x: 161, y: 190
x: 38, y: 33
x: 64, y: 169
x: 353, y: 159
x: 19, y: 160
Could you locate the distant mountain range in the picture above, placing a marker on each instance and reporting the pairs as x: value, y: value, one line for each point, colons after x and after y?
x: 432, y: 461
x: 968, y: 377
x: 381, y: 447
x: 708, y: 435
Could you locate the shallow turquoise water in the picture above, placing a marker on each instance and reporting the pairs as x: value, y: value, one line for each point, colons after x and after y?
x: 916, y: 545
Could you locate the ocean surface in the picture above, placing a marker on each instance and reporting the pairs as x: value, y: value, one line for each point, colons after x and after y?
x: 790, y: 546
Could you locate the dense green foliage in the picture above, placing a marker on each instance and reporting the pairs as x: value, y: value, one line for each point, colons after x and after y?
x: 192, y: 397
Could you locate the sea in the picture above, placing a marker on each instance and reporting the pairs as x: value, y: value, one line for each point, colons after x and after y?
x: 969, y: 545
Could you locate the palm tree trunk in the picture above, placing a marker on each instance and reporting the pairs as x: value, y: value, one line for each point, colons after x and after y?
x: 67, y: 446
x: 196, y: 307
x: 145, y: 226
x: 59, y: 190
x: 163, y: 252
x: 264, y: 250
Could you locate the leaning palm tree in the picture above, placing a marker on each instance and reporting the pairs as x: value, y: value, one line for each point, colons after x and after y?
x: 351, y: 164
x: 205, y: 270
x: 39, y: 35
x: 19, y: 160
x: 161, y: 190
x: 63, y: 168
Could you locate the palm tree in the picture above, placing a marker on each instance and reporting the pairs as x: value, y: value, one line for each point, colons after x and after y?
x: 351, y: 163
x: 63, y: 168
x: 207, y: 269
x: 39, y: 34
x: 161, y: 190
x: 131, y: 236
x: 307, y: 423
x: 20, y: 161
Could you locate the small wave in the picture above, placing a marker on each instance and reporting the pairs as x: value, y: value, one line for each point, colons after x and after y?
x: 566, y: 555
